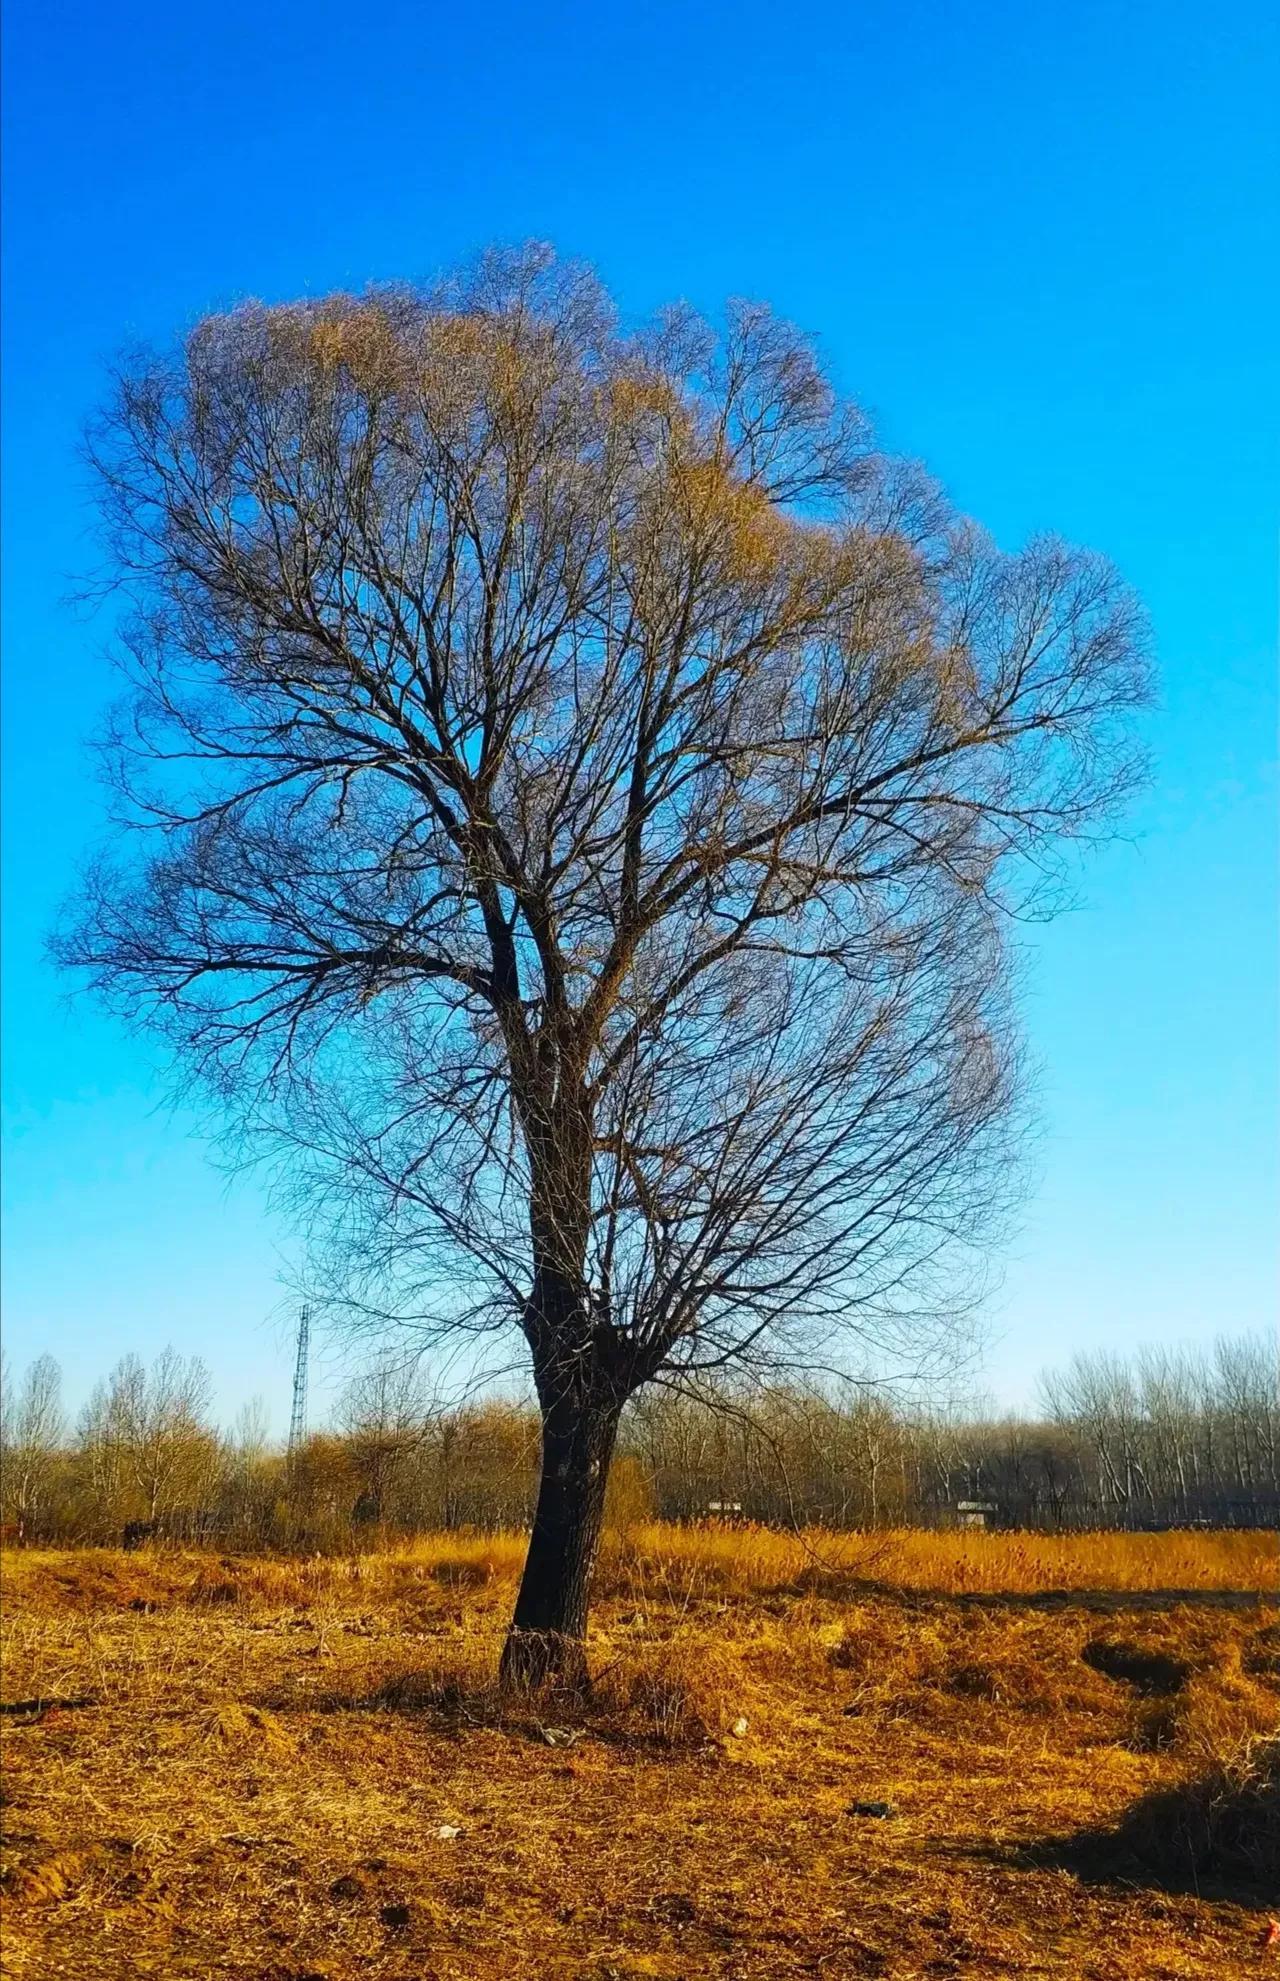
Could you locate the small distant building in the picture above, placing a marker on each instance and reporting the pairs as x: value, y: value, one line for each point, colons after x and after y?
x: 724, y: 1509
x: 975, y: 1513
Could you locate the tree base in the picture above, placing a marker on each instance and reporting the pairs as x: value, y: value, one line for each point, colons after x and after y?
x: 535, y: 1660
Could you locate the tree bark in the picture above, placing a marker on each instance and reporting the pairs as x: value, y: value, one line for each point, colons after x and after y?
x: 547, y: 1638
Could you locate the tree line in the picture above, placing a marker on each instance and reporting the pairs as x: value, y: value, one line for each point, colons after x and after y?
x: 1165, y: 1438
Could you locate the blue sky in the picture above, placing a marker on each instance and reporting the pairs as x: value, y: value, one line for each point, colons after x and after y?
x: 1040, y: 244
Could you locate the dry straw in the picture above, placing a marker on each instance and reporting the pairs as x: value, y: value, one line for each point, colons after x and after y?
x: 289, y: 1768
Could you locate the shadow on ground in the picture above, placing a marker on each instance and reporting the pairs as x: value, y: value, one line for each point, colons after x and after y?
x: 1102, y: 1602
x: 1216, y: 1835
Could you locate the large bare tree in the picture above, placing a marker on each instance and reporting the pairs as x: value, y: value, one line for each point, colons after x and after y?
x: 580, y: 786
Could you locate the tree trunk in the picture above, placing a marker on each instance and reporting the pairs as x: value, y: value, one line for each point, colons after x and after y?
x: 547, y: 1638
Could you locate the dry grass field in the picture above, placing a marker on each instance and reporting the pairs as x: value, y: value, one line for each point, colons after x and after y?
x: 300, y: 1771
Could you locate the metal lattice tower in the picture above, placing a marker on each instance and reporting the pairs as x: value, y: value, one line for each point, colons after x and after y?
x: 298, y: 1419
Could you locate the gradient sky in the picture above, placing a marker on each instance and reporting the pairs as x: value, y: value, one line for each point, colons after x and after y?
x: 1040, y: 244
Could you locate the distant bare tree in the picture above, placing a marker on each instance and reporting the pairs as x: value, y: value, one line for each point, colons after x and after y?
x: 1171, y: 1388
x: 481, y: 1462
x: 252, y: 1475
x: 147, y: 1439
x: 1098, y: 1393
x: 32, y: 1427
x: 384, y: 1414
x: 1246, y: 1392
x: 584, y: 784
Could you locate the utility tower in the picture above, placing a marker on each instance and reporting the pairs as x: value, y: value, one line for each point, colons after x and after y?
x: 298, y: 1419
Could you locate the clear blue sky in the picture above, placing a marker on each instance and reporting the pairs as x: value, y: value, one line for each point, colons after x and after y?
x: 1040, y: 243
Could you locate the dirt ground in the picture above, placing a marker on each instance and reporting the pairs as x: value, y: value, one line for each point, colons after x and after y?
x: 790, y: 1766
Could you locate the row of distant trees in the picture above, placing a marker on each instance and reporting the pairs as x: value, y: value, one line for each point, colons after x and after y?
x: 1164, y: 1438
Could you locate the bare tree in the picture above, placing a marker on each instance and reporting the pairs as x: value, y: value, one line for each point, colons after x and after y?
x: 384, y: 1413
x: 585, y: 783
x: 32, y: 1426
x: 172, y: 1452
x: 1099, y: 1394
x: 1246, y: 1387
x: 251, y: 1476
x: 1171, y: 1388
x: 146, y: 1438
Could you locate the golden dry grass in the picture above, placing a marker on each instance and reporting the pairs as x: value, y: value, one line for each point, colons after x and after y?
x: 301, y: 1770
